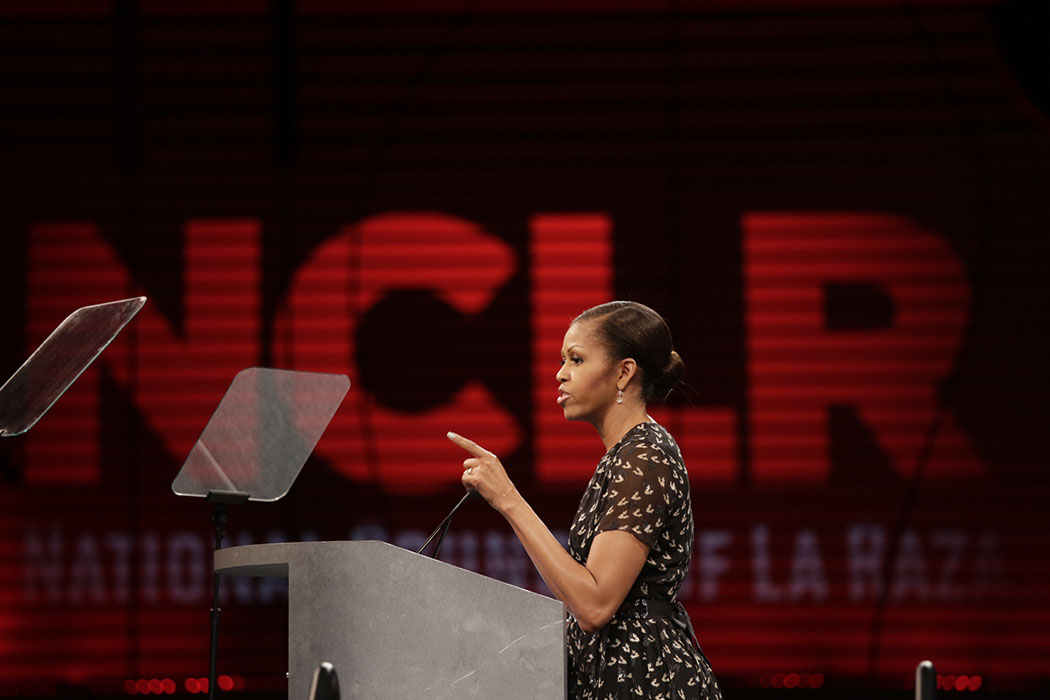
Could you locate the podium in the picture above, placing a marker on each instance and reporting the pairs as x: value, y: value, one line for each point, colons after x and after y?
x: 398, y: 625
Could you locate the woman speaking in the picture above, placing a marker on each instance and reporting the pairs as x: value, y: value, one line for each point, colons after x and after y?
x: 631, y: 540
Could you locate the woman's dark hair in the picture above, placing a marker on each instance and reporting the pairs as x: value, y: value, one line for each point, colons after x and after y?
x: 630, y: 329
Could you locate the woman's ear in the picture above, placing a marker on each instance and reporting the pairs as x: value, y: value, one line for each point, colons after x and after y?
x: 628, y: 369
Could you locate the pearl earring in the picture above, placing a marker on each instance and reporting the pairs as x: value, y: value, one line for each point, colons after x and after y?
x: 619, y: 396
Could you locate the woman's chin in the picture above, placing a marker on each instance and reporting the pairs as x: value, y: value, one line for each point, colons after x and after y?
x: 571, y: 414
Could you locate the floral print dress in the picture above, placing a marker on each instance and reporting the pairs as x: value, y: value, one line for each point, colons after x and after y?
x: 640, y: 486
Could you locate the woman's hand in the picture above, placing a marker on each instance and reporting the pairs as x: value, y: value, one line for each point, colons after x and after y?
x: 484, y: 473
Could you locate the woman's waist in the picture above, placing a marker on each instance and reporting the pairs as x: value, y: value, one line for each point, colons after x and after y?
x: 655, y: 608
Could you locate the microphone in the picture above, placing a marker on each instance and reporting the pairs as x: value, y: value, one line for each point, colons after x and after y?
x: 444, y: 525
x: 325, y: 685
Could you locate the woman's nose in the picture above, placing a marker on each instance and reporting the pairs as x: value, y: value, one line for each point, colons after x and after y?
x: 562, y: 375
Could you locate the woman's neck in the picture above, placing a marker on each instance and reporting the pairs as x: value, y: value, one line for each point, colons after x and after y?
x: 618, y: 422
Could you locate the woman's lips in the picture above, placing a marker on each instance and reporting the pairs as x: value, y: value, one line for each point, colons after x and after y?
x: 562, y: 397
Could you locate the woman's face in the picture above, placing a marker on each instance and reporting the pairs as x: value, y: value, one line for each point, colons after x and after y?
x: 587, y: 378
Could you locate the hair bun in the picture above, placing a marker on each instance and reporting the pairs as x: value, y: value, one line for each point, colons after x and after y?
x: 672, y: 374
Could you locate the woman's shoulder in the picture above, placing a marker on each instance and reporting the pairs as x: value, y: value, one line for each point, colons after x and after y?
x: 656, y: 437
x: 647, y: 462
x: 650, y: 442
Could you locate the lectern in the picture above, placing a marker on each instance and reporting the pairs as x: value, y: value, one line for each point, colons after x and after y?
x: 401, y: 626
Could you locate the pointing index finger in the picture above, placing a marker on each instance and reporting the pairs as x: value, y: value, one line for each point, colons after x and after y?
x: 468, y: 445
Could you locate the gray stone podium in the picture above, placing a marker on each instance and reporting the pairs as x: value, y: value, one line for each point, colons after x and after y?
x: 401, y: 626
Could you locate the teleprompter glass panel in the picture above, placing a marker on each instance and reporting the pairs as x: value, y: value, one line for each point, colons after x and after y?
x: 261, y: 433
x: 60, y: 359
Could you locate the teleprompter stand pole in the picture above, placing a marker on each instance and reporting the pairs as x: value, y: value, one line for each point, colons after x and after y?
x: 219, y: 501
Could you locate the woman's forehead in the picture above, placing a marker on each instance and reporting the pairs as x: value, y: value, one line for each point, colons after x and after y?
x: 580, y: 334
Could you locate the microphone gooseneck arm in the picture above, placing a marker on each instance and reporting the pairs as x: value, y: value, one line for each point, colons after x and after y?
x: 443, y: 526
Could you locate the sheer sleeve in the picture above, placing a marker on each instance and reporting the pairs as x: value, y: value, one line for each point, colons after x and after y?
x: 641, y: 492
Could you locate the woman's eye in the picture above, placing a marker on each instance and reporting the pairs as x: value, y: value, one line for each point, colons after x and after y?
x: 577, y: 360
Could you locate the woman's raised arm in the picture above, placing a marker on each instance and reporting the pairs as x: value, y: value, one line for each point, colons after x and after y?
x: 592, y: 592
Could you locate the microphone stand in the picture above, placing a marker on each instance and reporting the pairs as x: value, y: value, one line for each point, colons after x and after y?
x: 444, y: 525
